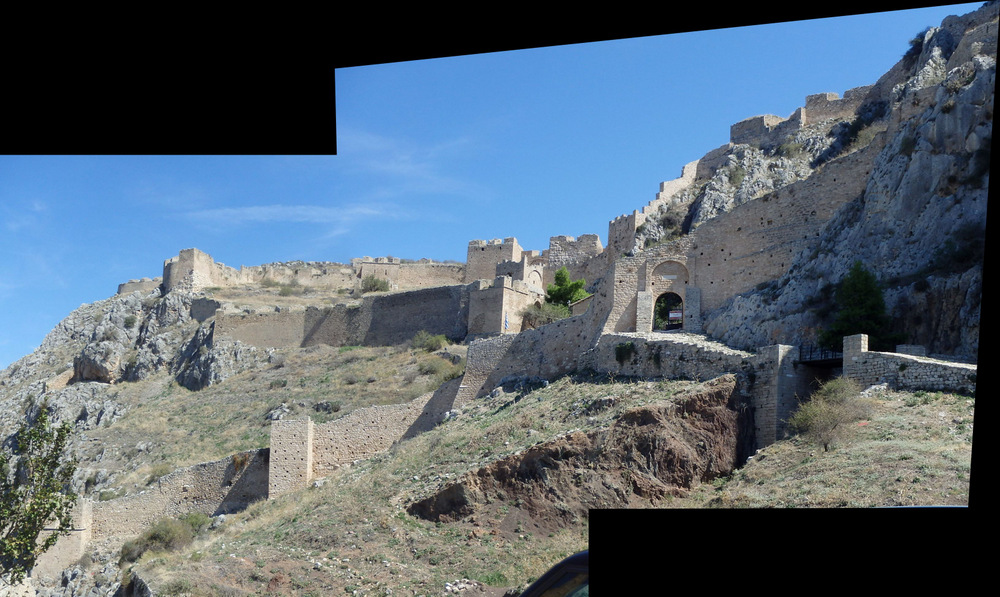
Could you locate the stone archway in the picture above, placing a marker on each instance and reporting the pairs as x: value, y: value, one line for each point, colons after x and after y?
x: 668, y: 312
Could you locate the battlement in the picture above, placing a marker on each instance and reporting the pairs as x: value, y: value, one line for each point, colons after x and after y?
x: 483, y: 257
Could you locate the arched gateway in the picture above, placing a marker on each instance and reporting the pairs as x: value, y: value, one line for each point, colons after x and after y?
x: 668, y: 312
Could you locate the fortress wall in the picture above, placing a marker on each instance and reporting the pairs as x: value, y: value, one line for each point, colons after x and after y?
x: 675, y: 357
x: 777, y: 386
x: 263, y: 328
x: 904, y: 371
x: 825, y: 106
x: 378, y: 320
x: 711, y: 161
x: 617, y: 296
x: 548, y: 352
x: 496, y: 309
x: 69, y: 548
x: 226, y: 485
x: 310, y: 274
x: 291, y: 463
x: 483, y: 257
x: 583, y: 257
x: 425, y: 275
x: 757, y: 241
x: 190, y: 269
x: 396, y: 317
x: 667, y: 189
x: 753, y: 130
x: 363, y: 433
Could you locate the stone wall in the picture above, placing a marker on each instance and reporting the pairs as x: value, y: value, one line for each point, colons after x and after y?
x: 905, y: 371
x: 69, y: 548
x: 376, y: 320
x: 291, y: 462
x: 582, y: 256
x: 408, y: 275
x: 211, y: 488
x: 193, y: 269
x: 302, y: 450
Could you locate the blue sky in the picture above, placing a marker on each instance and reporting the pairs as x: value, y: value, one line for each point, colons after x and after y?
x: 430, y: 154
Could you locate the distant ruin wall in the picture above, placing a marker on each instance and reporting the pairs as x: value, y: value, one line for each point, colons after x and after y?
x: 770, y: 130
x: 265, y: 328
x: 193, y: 269
x: 406, y: 275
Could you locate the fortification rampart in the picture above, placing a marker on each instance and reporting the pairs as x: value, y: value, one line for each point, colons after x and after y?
x: 583, y: 257
x: 212, y: 488
x: 621, y: 234
x: 193, y: 270
x: 770, y: 130
x: 403, y: 275
x: 757, y: 241
x: 375, y: 320
x: 905, y: 371
x: 302, y: 450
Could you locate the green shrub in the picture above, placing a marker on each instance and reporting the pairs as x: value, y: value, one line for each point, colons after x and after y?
x: 539, y: 315
x: 429, y: 342
x: 373, y: 284
x: 168, y: 534
x: 130, y: 321
x: 829, y: 412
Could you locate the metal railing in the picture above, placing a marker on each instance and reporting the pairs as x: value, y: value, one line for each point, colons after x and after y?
x: 817, y: 353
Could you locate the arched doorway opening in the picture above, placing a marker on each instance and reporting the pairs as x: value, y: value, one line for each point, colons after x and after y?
x: 668, y: 312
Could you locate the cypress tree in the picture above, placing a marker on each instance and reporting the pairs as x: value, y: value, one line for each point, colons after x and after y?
x: 861, y: 310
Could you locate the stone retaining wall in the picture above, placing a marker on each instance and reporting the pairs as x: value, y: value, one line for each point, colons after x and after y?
x: 905, y: 371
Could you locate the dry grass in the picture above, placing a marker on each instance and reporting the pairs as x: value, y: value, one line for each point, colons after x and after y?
x: 352, y: 532
x: 166, y: 425
x: 915, y: 449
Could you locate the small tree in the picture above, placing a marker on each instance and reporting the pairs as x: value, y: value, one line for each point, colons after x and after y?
x: 534, y: 316
x: 564, y: 291
x: 34, y: 492
x: 861, y: 310
x: 829, y: 412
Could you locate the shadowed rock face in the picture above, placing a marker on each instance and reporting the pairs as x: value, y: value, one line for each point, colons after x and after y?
x: 649, y: 454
